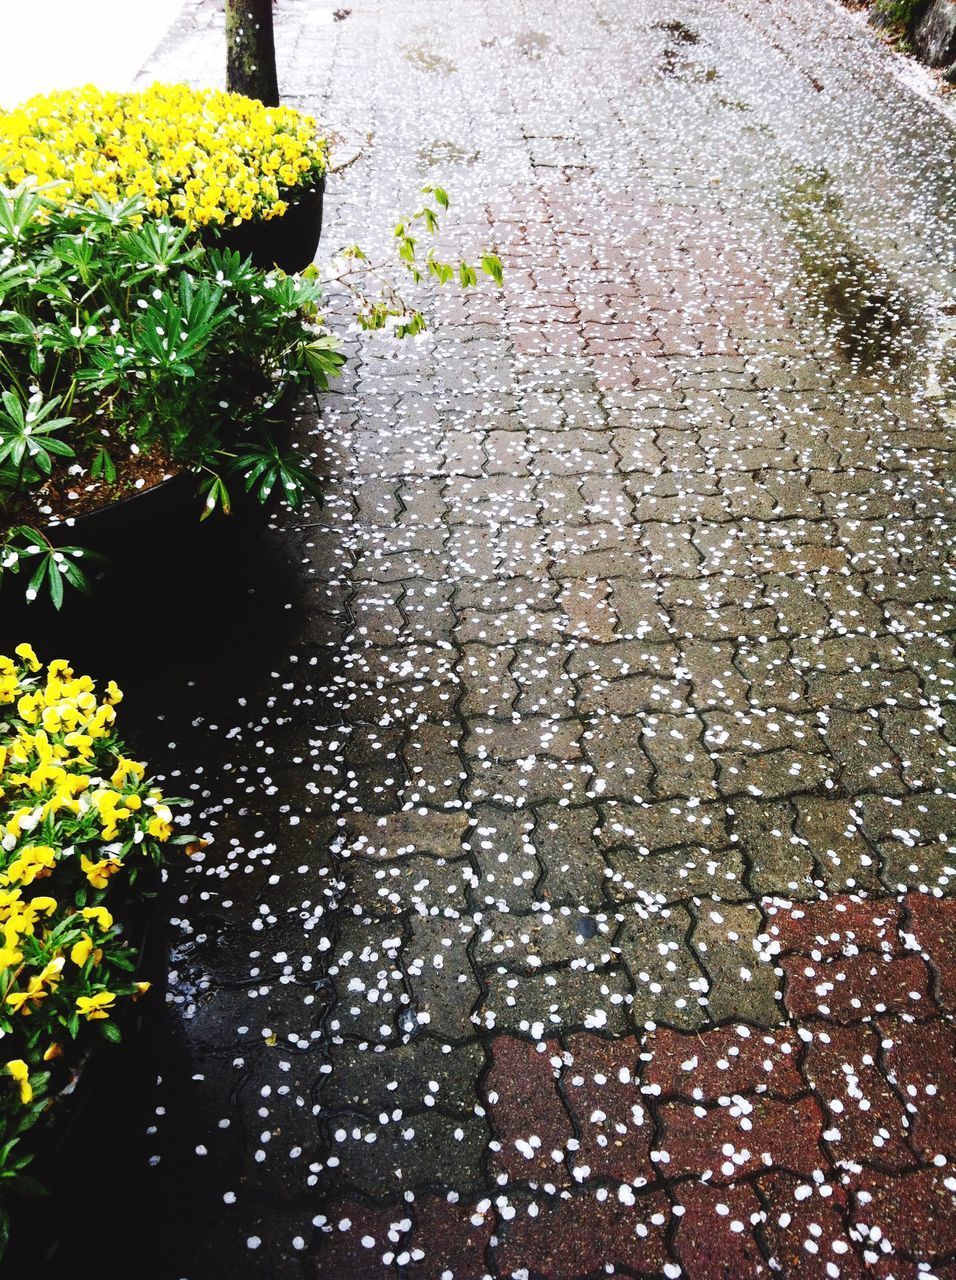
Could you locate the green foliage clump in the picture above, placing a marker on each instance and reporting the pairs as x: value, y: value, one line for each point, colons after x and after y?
x: 901, y: 14
x: 121, y: 336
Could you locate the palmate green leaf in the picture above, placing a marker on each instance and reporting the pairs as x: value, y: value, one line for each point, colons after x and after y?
x: 48, y: 566
x: 14, y: 409
x: 263, y: 468
x: 232, y: 271
x: 19, y: 210
x: 324, y: 360
x: 15, y: 327
x: 158, y: 244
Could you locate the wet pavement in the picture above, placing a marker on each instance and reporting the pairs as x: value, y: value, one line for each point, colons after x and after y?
x: 578, y: 775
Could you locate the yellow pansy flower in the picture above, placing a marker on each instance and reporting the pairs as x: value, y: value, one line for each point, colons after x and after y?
x: 24, y: 1001
x: 98, y: 873
x: 28, y: 654
x: 52, y: 971
x: 205, y: 156
x: 80, y: 951
x: 94, y: 1007
x: 160, y: 824
x: 100, y: 916
x: 17, y: 1068
x: 127, y: 769
x: 18, y: 819
x: 32, y: 863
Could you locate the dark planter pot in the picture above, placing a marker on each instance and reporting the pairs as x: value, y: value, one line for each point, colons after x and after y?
x: 154, y: 537
x: 289, y: 241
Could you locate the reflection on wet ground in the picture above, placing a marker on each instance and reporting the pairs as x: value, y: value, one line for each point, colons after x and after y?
x: 871, y: 323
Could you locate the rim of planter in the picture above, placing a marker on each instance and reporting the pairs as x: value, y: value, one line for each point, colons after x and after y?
x: 60, y: 530
x: 288, y: 241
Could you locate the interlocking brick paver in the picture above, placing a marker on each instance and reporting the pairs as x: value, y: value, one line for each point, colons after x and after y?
x: 742, y: 1136
x: 581, y: 1235
x: 359, y: 1240
x: 449, y: 1236
x: 856, y: 988
x: 601, y: 1086
x: 742, y: 982
x: 867, y: 1120
x: 806, y: 1231
x: 531, y: 1126
x: 726, y: 1061
x: 932, y: 923
x: 715, y: 1234
x: 912, y: 1213
x: 919, y: 1059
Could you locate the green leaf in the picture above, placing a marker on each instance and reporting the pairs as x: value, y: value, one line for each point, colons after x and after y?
x: 216, y: 495
x: 55, y: 581
x: 323, y: 360
x: 491, y: 266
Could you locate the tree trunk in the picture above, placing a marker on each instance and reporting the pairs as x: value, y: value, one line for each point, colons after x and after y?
x: 250, y: 50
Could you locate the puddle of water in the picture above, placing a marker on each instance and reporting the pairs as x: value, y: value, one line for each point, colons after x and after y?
x: 733, y: 105
x: 426, y: 59
x: 674, y: 64
x: 678, y: 30
x: 873, y: 324
x: 532, y: 44
x: 442, y: 151
x: 941, y: 366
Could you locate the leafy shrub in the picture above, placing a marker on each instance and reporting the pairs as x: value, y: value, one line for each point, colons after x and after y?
x: 123, y: 339
x: 80, y: 822
x: 201, y: 156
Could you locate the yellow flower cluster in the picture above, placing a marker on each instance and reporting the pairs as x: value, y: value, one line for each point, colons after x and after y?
x: 74, y: 811
x: 202, y: 156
